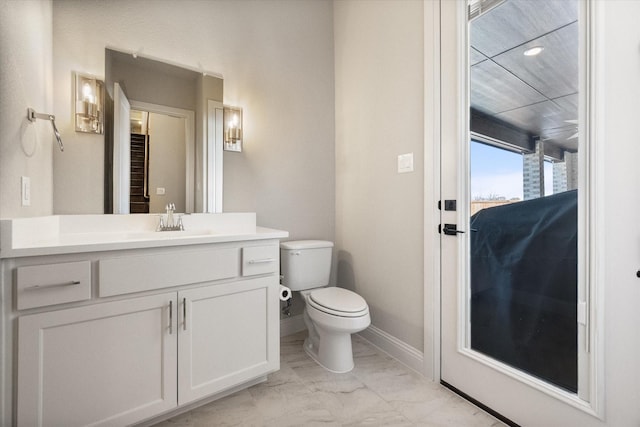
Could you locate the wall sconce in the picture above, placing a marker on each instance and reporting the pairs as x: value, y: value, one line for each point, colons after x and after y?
x: 89, y: 96
x: 232, y: 128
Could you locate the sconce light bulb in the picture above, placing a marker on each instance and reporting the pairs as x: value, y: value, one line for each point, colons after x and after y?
x: 87, y: 93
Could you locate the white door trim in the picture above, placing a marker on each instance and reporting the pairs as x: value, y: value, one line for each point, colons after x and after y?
x: 212, y: 191
x: 432, y: 253
x: 594, y: 110
x: 121, y: 151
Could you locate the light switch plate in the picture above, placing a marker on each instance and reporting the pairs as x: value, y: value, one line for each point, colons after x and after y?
x: 25, y: 192
x: 160, y: 191
x: 405, y: 163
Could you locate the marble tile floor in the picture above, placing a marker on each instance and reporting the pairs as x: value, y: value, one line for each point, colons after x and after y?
x: 378, y: 392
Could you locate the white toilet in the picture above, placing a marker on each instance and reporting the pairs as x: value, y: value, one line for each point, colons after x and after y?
x: 331, y: 314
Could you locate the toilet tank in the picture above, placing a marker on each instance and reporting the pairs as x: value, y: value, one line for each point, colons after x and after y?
x: 305, y: 264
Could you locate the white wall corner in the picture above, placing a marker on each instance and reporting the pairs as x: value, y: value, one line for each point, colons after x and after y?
x: 399, y: 350
x: 292, y: 325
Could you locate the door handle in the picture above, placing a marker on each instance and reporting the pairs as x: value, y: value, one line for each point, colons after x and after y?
x: 450, y: 229
x: 170, y: 317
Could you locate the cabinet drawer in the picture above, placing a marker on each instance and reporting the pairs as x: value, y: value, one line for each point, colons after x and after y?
x: 260, y: 260
x: 42, y: 285
x: 147, y: 272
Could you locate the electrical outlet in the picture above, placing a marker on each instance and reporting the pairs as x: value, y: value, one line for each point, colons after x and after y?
x: 160, y: 191
x: 25, y: 185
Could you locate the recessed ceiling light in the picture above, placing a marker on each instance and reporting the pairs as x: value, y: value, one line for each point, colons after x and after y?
x: 533, y: 51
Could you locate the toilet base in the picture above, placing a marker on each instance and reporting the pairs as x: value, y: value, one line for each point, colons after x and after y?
x: 338, y: 365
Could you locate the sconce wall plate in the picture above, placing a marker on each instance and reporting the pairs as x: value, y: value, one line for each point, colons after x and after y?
x: 89, y: 102
x: 232, y: 118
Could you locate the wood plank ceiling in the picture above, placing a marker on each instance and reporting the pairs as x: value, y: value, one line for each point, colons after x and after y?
x: 537, y: 94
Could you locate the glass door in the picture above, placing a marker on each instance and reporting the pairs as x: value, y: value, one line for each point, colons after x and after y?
x: 514, y: 326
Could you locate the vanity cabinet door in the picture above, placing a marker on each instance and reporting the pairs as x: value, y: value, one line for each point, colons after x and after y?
x: 228, y: 334
x: 104, y: 364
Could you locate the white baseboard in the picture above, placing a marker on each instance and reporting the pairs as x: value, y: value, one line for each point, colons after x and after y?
x: 292, y: 325
x: 399, y: 350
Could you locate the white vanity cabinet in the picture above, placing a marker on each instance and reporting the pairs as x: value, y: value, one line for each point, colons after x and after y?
x: 160, y: 328
x: 111, y: 363
x: 226, y: 336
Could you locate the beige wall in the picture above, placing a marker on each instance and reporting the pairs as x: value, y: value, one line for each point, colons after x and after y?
x: 379, y: 52
x: 25, y: 81
x: 276, y: 58
x: 166, y: 162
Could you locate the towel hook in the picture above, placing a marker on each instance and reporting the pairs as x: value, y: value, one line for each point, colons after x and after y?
x: 32, y: 116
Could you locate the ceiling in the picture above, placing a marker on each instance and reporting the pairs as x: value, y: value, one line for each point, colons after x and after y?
x: 536, y: 94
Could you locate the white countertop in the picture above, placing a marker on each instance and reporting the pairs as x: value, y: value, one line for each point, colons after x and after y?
x: 66, y: 234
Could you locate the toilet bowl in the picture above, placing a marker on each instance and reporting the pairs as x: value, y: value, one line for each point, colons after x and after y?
x: 331, y: 314
x: 331, y: 322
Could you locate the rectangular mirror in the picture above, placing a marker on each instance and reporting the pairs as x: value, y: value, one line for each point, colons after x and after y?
x: 184, y: 158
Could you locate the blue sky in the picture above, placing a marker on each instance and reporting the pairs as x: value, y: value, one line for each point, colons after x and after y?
x: 499, y: 172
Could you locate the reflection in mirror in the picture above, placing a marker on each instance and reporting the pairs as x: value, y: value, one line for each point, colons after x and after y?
x: 188, y: 171
x: 523, y: 59
x: 158, y: 158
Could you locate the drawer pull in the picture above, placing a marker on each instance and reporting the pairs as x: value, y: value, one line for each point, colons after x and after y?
x: 53, y: 285
x: 261, y: 261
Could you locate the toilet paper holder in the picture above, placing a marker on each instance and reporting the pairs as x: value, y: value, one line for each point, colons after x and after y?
x: 285, y: 295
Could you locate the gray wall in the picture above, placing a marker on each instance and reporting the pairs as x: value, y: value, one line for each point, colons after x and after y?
x: 166, y: 162
x: 276, y: 58
x: 379, y: 53
x: 152, y: 81
x: 25, y: 81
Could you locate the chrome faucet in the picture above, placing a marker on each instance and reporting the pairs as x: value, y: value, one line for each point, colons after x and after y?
x: 170, y: 225
x: 170, y: 209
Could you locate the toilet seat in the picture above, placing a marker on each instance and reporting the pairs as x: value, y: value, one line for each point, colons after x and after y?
x: 338, y: 302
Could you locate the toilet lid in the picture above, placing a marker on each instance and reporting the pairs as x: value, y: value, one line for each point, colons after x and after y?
x: 339, y: 300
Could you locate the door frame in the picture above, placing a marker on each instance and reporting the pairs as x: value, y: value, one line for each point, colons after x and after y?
x: 212, y: 192
x: 591, y: 45
x: 121, y: 150
x: 432, y: 253
x: 189, y: 141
